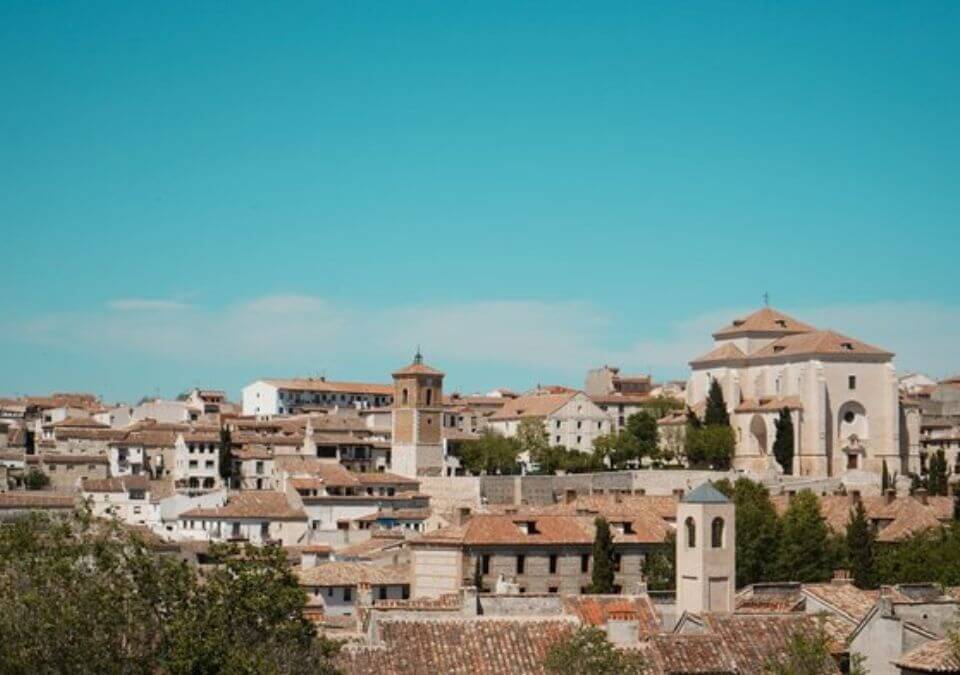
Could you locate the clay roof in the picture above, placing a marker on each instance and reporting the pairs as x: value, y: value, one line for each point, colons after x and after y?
x: 897, y: 520
x: 770, y: 404
x: 536, y: 405
x: 53, y: 458
x: 767, y: 321
x: 351, y: 574
x: 329, y: 386
x: 620, y: 399
x: 397, y: 514
x: 481, y: 645
x: 384, y: 478
x: 80, y: 422
x: 595, y: 610
x: 371, y: 546
x: 116, y: 484
x: 725, y: 352
x: 935, y: 656
x: 252, y: 451
x: 251, y: 504
x: 844, y: 598
x: 690, y: 655
x: 818, y: 343
x: 771, y: 598
x: 417, y: 369
x: 36, y: 500
x: 90, y: 433
x: 614, y: 507
x: 550, y: 529
x: 753, y: 638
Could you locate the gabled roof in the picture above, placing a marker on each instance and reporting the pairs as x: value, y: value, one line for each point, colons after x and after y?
x: 251, y: 504
x: 765, y: 321
x: 935, y: 656
x: 596, y: 610
x: 705, y: 494
x: 329, y: 386
x: 116, y: 484
x: 351, y: 574
x: 725, y: 352
x: 536, y: 405
x: 752, y: 639
x: 818, y: 343
x: 692, y: 655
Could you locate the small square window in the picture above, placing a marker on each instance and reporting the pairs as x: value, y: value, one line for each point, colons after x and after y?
x: 852, y: 382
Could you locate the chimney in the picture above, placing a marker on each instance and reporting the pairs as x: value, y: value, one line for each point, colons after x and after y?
x: 921, y: 494
x: 623, y: 632
x: 841, y: 577
x: 569, y: 496
x: 471, y: 603
x: 889, y: 496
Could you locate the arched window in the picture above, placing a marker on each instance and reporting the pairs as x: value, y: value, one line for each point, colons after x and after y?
x: 691, y: 533
x: 716, y: 533
x: 403, y: 397
x: 429, y: 396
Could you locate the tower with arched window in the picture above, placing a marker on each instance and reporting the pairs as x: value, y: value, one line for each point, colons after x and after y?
x: 417, y: 447
x: 706, y: 552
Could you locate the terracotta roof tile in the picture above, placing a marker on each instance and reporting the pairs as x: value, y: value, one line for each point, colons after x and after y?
x: 251, y: 504
x: 537, y: 405
x: 330, y: 386
x: 351, y: 574
x: 36, y: 500
x: 691, y: 655
x: 595, y: 610
x: 766, y: 320
x: 753, y: 638
x: 818, y: 343
x: 935, y: 656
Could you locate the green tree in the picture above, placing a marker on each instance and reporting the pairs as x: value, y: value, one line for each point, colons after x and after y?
x: 601, y: 579
x: 642, y: 427
x: 79, y: 595
x: 709, y: 446
x: 807, y: 652
x: 926, y: 556
x: 226, y: 455
x: 35, y: 479
x: 660, y: 566
x: 716, y: 413
x: 937, y: 475
x: 806, y: 552
x: 693, y: 422
x: 620, y: 449
x: 861, y: 543
x: 783, y: 444
x: 758, y: 529
x: 247, y: 619
x: 588, y: 652
x: 492, y: 453
x: 532, y: 437
x: 661, y: 406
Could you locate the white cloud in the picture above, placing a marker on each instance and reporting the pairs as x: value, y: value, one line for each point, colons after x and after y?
x: 145, y: 305
x: 302, y: 333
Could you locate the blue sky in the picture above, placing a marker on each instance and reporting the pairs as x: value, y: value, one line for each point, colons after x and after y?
x: 208, y: 193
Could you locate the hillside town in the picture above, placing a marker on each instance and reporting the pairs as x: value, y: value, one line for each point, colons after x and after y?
x: 437, y: 531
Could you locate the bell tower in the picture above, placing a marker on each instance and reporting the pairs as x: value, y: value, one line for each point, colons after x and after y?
x: 706, y: 552
x: 417, y: 446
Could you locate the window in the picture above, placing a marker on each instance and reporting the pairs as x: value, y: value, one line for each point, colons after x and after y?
x: 691, y: 528
x: 329, y: 591
x: 557, y: 424
x: 553, y: 564
x: 347, y: 594
x: 235, y: 530
x: 485, y: 564
x: 403, y: 397
x: 264, y: 530
x: 429, y: 396
x: 558, y: 440
x: 585, y: 563
x: 383, y: 593
x: 852, y: 382
x: 579, y: 424
x: 849, y: 416
x: 521, y: 560
x: 553, y: 589
x: 617, y: 560
x: 716, y: 533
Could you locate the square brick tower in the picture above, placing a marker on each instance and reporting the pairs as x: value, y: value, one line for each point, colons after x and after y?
x: 417, y: 448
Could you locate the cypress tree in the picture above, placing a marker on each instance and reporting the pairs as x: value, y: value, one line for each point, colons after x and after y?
x: 601, y: 580
x: 716, y: 413
x: 693, y: 421
x: 937, y: 478
x: 884, y: 479
x: 226, y: 456
x: 861, y: 540
x: 805, y: 550
x: 783, y: 444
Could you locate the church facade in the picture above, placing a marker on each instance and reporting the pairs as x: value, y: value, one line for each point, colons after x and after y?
x: 842, y: 395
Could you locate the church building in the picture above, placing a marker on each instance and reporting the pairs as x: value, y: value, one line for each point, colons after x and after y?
x: 417, y: 447
x: 841, y: 393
